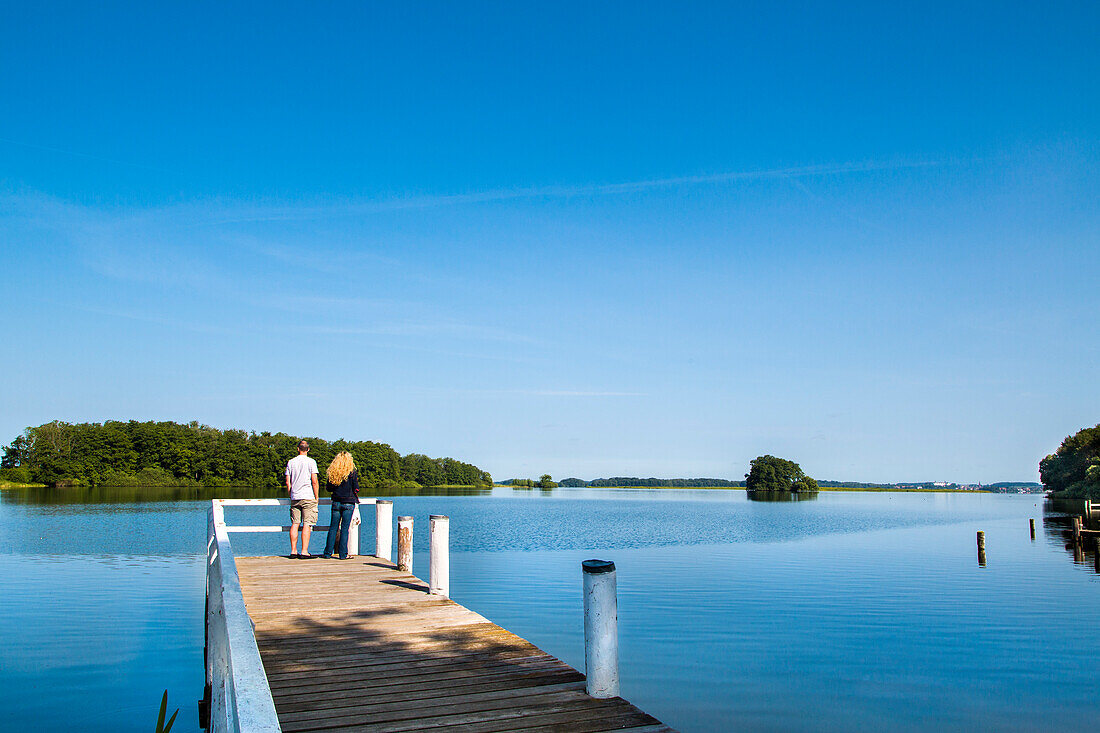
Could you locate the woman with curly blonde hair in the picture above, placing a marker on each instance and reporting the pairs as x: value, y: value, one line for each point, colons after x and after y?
x: 343, y: 483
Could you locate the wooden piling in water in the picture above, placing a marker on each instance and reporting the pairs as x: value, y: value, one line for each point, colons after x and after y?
x: 439, y: 563
x: 601, y: 629
x: 1031, y: 524
x: 1077, y: 530
x: 405, y: 544
x: 383, y: 529
x: 981, y: 549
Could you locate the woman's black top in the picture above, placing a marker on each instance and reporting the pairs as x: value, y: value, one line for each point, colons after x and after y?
x: 346, y: 492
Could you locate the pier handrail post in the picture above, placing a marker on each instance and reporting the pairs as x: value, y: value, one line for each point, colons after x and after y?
x: 383, y: 531
x: 353, y: 532
x: 601, y: 629
x: 439, y: 564
x: 405, y: 544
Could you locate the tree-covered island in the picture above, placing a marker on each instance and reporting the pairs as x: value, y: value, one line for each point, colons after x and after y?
x: 768, y: 473
x: 133, y: 453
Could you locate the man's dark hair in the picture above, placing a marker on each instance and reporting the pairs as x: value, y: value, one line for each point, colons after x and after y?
x: 303, y: 445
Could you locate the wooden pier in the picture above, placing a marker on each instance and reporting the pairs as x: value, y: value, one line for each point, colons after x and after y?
x: 359, y: 645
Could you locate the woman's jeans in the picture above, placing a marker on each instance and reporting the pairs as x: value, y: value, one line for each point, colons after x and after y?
x: 341, y: 517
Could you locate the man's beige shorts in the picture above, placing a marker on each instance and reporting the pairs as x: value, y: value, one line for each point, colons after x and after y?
x: 303, y: 511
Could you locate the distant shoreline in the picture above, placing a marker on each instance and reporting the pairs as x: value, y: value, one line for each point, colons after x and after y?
x: 742, y: 488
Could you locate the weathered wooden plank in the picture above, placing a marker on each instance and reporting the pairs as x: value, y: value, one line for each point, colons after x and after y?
x: 438, y: 697
x: 479, y: 708
x: 472, y: 637
x: 368, y: 627
x: 358, y: 645
x: 394, y: 688
x: 613, y: 712
x: 325, y: 668
x: 442, y: 673
x: 454, y: 634
x: 282, y: 577
x: 565, y: 723
x: 415, y: 697
x: 453, y: 675
x: 330, y: 674
x: 296, y: 591
x: 274, y: 662
x: 369, y: 617
x: 343, y: 605
x: 418, y: 638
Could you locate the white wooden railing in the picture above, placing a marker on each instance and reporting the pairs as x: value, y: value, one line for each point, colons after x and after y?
x: 238, y: 697
x: 353, y: 532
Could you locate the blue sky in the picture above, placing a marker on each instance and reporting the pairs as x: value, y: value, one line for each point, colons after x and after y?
x: 586, y: 239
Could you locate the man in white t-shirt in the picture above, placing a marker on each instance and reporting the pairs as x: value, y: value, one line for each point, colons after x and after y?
x: 301, y: 482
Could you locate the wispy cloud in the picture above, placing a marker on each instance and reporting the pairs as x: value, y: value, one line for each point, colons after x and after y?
x: 168, y: 323
x: 558, y: 393
x: 579, y: 393
x: 220, y: 212
x: 87, y: 156
x: 331, y: 260
x: 361, y: 208
x: 412, y: 328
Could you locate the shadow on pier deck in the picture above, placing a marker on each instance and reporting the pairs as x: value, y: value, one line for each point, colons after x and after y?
x: 358, y: 645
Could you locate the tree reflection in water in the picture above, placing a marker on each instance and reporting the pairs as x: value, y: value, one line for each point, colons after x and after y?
x: 1058, y: 517
x: 782, y: 495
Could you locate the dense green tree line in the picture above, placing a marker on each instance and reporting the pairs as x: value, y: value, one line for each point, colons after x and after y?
x: 131, y: 453
x: 1073, y: 471
x: 702, y: 482
x: 442, y: 472
x: 635, y: 481
x: 545, y: 482
x: 667, y: 482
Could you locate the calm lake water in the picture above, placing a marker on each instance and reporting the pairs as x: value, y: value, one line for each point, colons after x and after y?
x: 849, y: 611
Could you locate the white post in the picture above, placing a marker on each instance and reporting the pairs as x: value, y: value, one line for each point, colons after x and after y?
x: 383, y: 532
x: 405, y: 544
x: 439, y: 564
x: 601, y: 629
x: 353, y: 533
